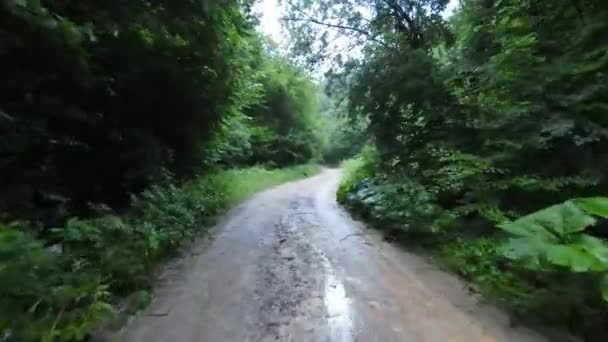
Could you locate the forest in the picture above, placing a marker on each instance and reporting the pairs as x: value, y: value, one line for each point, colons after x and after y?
x: 128, y: 126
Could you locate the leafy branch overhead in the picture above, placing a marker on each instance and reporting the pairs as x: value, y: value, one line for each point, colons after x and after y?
x: 312, y: 24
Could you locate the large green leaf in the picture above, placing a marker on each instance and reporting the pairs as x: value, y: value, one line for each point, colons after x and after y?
x: 525, y: 249
x: 594, y: 247
x: 527, y: 228
x: 519, y: 248
x: 549, y: 235
x: 551, y: 223
x: 572, y: 257
x: 564, y: 219
x: 597, y: 206
x: 584, y: 255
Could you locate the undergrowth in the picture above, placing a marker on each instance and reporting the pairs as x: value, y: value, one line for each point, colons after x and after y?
x: 63, y: 287
x: 470, y: 245
x: 547, y: 297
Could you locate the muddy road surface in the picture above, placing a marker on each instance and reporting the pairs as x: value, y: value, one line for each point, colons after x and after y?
x: 291, y: 265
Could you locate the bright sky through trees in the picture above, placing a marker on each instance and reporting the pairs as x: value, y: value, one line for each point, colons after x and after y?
x: 269, y: 20
x: 270, y: 23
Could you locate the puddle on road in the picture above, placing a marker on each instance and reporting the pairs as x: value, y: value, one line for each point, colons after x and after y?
x: 337, y: 305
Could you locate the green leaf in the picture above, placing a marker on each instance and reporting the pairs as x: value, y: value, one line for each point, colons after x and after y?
x: 554, y: 222
x: 574, y: 258
x: 597, y: 206
x: 526, y: 249
x: 527, y: 228
x: 565, y: 219
x: 594, y: 247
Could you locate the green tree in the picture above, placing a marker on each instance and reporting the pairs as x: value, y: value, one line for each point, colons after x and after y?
x: 98, y: 97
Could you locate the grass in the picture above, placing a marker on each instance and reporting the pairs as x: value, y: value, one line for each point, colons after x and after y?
x: 238, y: 184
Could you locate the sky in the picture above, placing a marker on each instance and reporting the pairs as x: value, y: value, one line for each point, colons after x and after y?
x: 270, y: 20
x: 270, y: 23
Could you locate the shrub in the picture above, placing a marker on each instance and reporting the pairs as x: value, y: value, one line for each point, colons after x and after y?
x: 46, y: 295
x: 397, y: 204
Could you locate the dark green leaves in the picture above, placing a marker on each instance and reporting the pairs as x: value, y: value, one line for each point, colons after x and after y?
x: 551, y: 224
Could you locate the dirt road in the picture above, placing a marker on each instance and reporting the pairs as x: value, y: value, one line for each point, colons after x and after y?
x: 290, y: 265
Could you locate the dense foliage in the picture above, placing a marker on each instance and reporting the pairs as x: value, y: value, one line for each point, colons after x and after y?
x: 97, y: 99
x: 285, y: 128
x: 121, y: 112
x: 476, y: 120
x: 117, y: 119
x: 342, y: 137
x: 280, y: 128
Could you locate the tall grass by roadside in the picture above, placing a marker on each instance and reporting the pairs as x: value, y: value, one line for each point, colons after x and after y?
x: 61, y: 288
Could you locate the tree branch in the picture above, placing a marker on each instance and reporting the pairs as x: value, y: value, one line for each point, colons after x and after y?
x: 309, y: 18
x: 412, y: 29
x: 338, y: 26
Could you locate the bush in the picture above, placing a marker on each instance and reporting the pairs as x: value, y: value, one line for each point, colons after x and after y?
x: 46, y: 295
x: 396, y: 204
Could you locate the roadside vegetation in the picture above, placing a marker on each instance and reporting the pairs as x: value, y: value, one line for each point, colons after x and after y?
x: 63, y: 291
x: 475, y: 124
x: 126, y: 127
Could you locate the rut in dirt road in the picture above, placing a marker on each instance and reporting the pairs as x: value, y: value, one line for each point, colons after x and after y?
x: 290, y: 265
